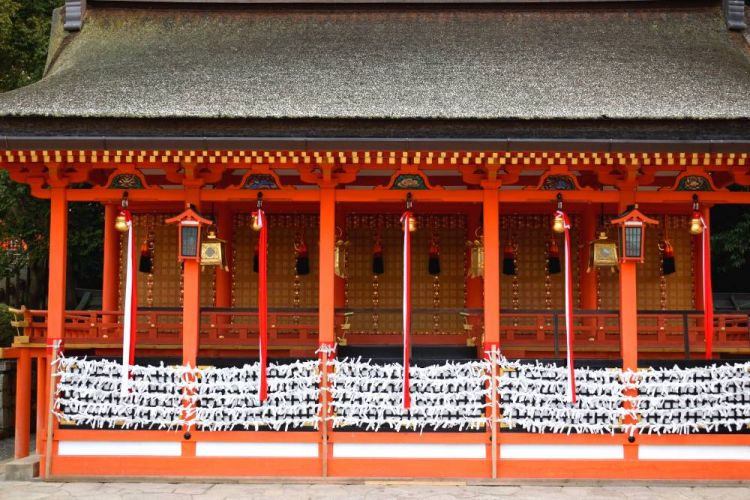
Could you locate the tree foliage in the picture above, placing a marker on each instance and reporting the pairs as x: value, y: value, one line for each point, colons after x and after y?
x: 24, y: 220
x: 24, y: 33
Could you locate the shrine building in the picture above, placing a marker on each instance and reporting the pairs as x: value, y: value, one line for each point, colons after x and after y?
x: 392, y: 239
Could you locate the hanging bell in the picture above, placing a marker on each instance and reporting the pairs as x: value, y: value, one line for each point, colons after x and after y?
x: 412, y: 224
x: 553, y: 258
x: 558, y: 224
x: 696, y: 226
x: 256, y: 222
x: 121, y: 223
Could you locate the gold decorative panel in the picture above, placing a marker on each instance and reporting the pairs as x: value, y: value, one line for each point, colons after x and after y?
x: 532, y: 236
x: 386, y: 291
x: 676, y: 290
x: 283, y: 230
x: 166, y: 276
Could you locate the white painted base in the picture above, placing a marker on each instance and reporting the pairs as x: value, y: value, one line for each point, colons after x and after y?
x: 677, y: 452
x: 562, y: 452
x: 120, y: 448
x: 405, y: 450
x: 230, y: 449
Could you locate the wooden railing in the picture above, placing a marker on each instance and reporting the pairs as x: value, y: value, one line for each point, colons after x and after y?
x: 528, y: 330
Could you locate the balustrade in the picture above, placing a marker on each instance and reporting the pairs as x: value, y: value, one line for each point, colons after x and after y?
x: 675, y: 331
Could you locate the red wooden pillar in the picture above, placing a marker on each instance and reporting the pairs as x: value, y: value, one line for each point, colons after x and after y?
x: 191, y: 313
x: 628, y: 320
x: 474, y: 286
x: 588, y: 279
x: 491, y: 213
x: 110, y: 271
x: 224, y: 278
x: 58, y: 257
x: 42, y: 378
x: 326, y: 304
x: 191, y: 303
x: 23, y: 404
x: 58, y: 260
x: 326, y: 295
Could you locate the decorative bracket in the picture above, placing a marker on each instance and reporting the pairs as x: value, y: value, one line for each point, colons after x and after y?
x: 73, y: 16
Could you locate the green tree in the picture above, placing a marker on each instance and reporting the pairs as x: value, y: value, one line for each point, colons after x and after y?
x: 24, y: 220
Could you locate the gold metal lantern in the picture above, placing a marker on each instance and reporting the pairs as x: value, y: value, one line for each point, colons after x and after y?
x: 602, y: 252
x: 213, y: 251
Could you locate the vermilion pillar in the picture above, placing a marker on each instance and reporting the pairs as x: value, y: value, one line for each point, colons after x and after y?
x: 191, y: 303
x: 110, y: 271
x: 491, y: 213
x: 628, y: 303
x: 588, y: 279
x: 224, y: 278
x: 628, y: 322
x: 23, y: 404
x: 326, y: 332
x: 58, y: 259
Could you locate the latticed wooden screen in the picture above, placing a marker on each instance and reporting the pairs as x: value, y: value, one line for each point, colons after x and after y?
x: 283, y: 230
x: 533, y: 287
x: 674, y: 291
x: 163, y: 286
x: 365, y: 290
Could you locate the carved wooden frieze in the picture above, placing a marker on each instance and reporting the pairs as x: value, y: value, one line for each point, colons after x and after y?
x: 694, y: 183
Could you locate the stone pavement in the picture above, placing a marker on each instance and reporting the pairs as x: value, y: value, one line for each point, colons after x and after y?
x: 375, y: 490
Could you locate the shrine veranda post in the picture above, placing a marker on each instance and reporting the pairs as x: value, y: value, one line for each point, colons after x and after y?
x: 662, y: 380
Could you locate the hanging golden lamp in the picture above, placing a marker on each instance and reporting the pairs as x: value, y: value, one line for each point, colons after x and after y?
x: 339, y: 254
x: 602, y: 252
x: 213, y: 251
x: 476, y: 255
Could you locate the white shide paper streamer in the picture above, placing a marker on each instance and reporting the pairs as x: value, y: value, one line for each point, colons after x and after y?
x: 452, y: 396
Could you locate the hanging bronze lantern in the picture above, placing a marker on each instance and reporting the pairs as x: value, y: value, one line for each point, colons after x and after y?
x: 212, y: 250
x: 476, y: 255
x: 339, y: 254
x: 602, y: 252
